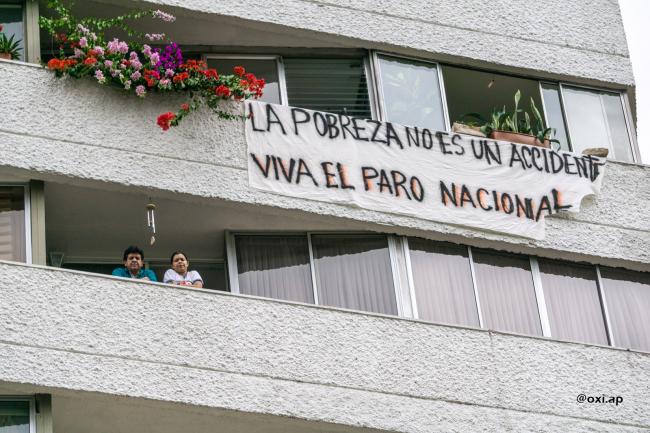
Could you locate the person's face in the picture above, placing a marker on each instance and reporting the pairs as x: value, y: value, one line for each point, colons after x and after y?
x: 180, y: 264
x: 133, y: 263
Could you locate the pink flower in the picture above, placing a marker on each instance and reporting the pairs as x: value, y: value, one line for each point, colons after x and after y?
x: 78, y: 53
x: 127, y: 85
x: 165, y: 82
x: 169, y: 73
x: 146, y: 50
x: 135, y: 64
x: 83, y: 42
x: 99, y: 50
x: 108, y: 63
x: 155, y: 58
x: 155, y: 36
x: 117, y: 46
x: 92, y: 36
x: 115, y: 73
x: 100, y: 76
x: 83, y: 29
x: 140, y: 91
x: 164, y: 16
x: 136, y: 76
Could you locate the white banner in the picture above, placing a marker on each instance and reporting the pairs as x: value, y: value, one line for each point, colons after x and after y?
x: 438, y: 176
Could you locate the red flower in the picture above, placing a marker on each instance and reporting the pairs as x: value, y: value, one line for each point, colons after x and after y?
x: 90, y: 61
x: 62, y: 37
x: 222, y: 91
x: 165, y: 120
x: 210, y: 73
x: 239, y: 70
x: 250, y: 77
x: 92, y: 53
x: 151, y: 77
x: 179, y: 78
x: 193, y: 65
x: 60, y: 65
x: 185, y: 107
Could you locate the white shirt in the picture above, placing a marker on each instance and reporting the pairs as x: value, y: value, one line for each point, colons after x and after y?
x: 171, y: 276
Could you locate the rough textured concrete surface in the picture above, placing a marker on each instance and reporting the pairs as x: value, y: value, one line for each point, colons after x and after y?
x: 582, y: 39
x: 71, y: 330
x: 61, y: 137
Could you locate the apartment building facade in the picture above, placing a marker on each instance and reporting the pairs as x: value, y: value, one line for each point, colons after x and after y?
x: 319, y: 314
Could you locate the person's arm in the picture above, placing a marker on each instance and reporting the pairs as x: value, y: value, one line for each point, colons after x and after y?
x: 150, y: 275
x: 197, y: 281
x: 118, y: 272
x: 168, y: 278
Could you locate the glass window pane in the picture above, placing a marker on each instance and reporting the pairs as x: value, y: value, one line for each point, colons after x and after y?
x: 14, y: 416
x: 274, y: 267
x: 12, y: 223
x: 443, y: 282
x: 11, y: 18
x: 613, y: 104
x: 262, y: 68
x: 596, y: 120
x: 411, y: 93
x: 506, y: 292
x: 572, y: 302
x: 627, y: 294
x: 333, y: 85
x: 354, y: 271
x: 554, y: 115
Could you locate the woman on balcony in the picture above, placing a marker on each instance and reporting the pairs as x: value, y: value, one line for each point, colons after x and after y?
x: 179, y: 273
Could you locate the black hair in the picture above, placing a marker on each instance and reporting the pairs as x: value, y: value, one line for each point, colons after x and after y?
x: 171, y: 260
x: 132, y: 250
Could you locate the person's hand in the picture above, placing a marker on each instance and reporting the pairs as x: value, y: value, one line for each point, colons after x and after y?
x: 145, y: 278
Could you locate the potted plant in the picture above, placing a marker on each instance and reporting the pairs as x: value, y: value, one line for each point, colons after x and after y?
x: 516, y: 126
x: 8, y: 47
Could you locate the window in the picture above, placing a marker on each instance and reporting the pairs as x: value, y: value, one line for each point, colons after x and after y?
x: 13, y: 221
x: 335, y: 85
x: 595, y: 118
x: 341, y: 270
x: 627, y: 296
x: 410, y: 92
x: 16, y: 415
x: 443, y: 282
x: 274, y: 267
x: 262, y: 66
x: 572, y: 302
x: 506, y: 292
x: 554, y: 113
x: 11, y: 17
x: 354, y: 271
x: 471, y: 91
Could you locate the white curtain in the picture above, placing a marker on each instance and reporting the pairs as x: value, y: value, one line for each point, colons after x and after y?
x: 572, y: 302
x: 443, y: 282
x: 12, y: 223
x: 274, y: 267
x: 354, y: 271
x: 506, y: 292
x: 627, y: 294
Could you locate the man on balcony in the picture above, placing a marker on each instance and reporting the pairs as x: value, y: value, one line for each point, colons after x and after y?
x: 133, y: 261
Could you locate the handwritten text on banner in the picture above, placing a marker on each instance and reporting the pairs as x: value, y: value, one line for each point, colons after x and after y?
x: 433, y: 175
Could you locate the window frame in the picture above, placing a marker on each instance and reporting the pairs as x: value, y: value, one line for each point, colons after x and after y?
x: 402, y: 299
x: 32, y: 407
x: 28, y: 217
x: 625, y: 106
x: 377, y: 84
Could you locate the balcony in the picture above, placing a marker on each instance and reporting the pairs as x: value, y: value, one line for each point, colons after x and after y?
x: 65, y: 331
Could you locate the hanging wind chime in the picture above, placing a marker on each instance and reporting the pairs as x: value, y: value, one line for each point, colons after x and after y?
x: 151, y: 220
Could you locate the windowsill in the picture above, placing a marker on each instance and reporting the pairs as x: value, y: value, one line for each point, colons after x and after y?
x: 321, y: 307
x: 22, y: 63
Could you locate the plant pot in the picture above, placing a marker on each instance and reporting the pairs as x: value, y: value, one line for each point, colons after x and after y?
x: 461, y: 128
x: 515, y: 137
x: 6, y: 56
x: 601, y: 152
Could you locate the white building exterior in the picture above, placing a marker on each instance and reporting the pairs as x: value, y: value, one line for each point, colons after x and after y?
x: 90, y: 352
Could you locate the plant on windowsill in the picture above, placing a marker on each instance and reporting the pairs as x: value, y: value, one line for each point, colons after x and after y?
x: 9, y: 48
x: 136, y: 67
x: 514, y: 127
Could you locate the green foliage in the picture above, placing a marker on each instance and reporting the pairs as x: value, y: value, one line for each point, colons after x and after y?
x: 10, y: 46
x: 510, y: 121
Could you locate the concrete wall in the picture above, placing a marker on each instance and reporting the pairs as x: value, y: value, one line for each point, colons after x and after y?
x: 75, y: 331
x: 81, y: 132
x: 582, y: 39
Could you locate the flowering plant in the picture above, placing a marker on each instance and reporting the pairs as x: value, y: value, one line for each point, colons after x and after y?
x: 84, y: 52
x: 8, y: 47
